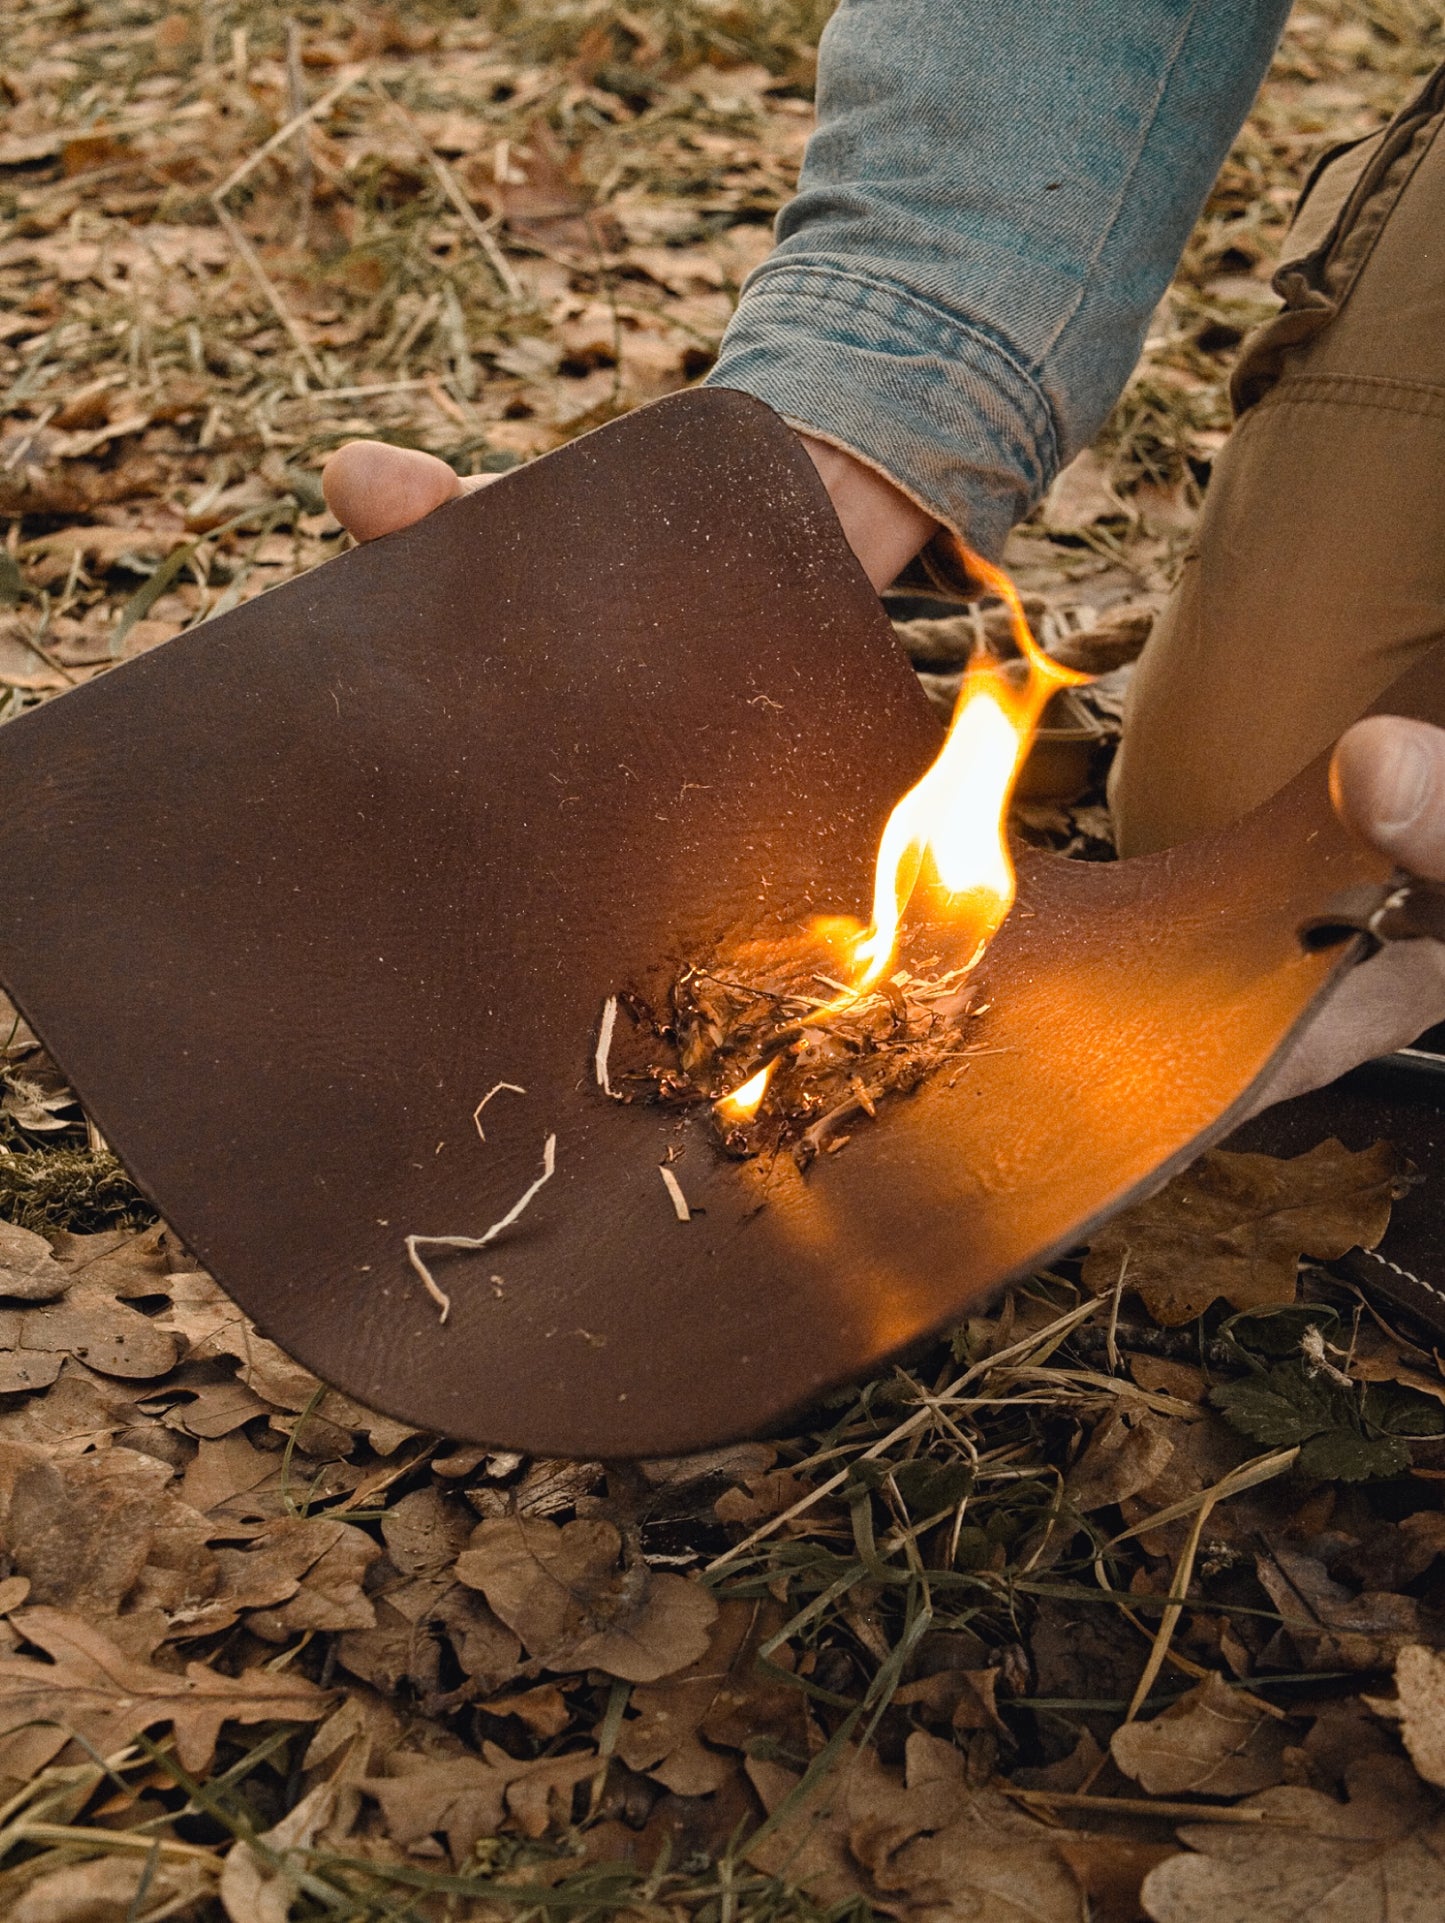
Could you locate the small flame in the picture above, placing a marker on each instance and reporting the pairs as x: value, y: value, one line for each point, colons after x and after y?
x: 955, y: 816
x: 743, y: 1104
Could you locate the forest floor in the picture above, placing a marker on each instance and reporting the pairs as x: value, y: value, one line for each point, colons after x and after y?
x: 1122, y: 1602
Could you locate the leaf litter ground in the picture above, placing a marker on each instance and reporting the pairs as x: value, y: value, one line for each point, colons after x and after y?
x: 1126, y: 1600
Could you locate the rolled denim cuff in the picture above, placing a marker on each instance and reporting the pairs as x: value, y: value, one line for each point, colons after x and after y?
x: 921, y: 394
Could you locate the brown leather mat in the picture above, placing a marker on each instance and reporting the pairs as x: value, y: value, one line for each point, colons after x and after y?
x: 289, y: 895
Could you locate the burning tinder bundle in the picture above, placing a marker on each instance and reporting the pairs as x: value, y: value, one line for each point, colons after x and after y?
x: 784, y: 1066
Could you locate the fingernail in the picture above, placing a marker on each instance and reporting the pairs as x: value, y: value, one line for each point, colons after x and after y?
x: 1404, y: 784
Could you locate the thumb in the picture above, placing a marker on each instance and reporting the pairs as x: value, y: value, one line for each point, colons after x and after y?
x: 1387, y: 781
x: 373, y: 488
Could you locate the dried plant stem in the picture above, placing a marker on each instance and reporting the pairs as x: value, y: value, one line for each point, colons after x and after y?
x: 238, y: 239
x: 1139, y: 1806
x: 1046, y: 1339
x: 451, y: 187
x: 415, y: 1243
x: 1245, y: 1477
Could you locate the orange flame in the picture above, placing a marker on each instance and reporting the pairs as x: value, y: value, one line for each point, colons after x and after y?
x: 955, y: 817
x: 952, y: 822
x: 743, y: 1104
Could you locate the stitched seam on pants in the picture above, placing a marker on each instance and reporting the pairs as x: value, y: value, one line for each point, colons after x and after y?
x: 1336, y: 264
x: 1435, y: 411
x: 1359, y: 390
x: 1344, y: 265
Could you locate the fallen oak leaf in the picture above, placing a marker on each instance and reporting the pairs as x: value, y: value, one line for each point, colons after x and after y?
x: 1236, y: 1226
x: 92, y: 1690
x: 29, y: 1271
x: 90, y: 1324
x: 663, y: 1736
x: 258, y: 1885
x: 1331, y: 1626
x: 1378, y: 1858
x: 466, y: 1797
x: 927, y: 1847
x: 1211, y: 1742
x: 112, y: 1889
x: 1420, y: 1709
x: 101, y: 1532
x: 561, y: 1590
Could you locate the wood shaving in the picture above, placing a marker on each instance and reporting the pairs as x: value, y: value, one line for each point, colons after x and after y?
x: 415, y: 1243
x: 511, y: 1088
x: 604, y: 1046
x: 674, y: 1189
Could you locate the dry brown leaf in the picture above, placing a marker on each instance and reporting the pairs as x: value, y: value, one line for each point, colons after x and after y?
x: 991, y: 1864
x: 562, y: 1591
x: 426, y: 1531
x: 229, y: 1468
x: 1211, y: 1742
x: 1236, y: 1226
x: 1331, y: 1626
x: 718, y: 1694
x: 465, y: 1797
x: 810, y: 1846
x: 88, y: 1323
x: 79, y: 1412
x: 461, y: 1798
x: 760, y: 1497
x: 102, y: 1532
x: 962, y: 1698
x: 542, y: 1709
x: 255, y: 1886
x: 29, y: 1271
x: 111, y: 1889
x: 1110, y: 1871
x: 1129, y: 1450
x: 925, y: 1848
x: 1379, y: 1858
x: 1420, y: 1680
x: 92, y: 1690
x: 334, y: 1557
x: 300, y: 1573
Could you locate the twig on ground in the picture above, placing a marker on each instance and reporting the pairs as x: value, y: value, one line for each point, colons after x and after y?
x: 451, y: 187
x: 238, y: 239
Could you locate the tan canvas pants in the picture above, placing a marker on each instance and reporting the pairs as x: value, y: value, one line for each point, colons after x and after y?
x: 1318, y: 572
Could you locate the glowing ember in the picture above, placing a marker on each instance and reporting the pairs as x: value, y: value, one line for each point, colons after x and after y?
x: 953, y: 821
x: 743, y: 1104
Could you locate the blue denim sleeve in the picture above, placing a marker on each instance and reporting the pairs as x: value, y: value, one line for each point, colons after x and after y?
x: 992, y: 204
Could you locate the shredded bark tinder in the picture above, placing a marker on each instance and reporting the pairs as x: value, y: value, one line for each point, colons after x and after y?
x: 834, y: 1058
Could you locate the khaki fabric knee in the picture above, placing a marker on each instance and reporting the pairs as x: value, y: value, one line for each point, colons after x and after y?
x: 1318, y: 572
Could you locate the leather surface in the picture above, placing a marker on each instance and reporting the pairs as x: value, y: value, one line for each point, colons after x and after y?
x: 287, y: 896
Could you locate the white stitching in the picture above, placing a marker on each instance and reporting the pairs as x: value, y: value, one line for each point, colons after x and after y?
x: 1405, y: 1274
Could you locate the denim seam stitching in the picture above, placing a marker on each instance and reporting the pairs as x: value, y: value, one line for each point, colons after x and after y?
x: 964, y: 329
x: 1122, y: 199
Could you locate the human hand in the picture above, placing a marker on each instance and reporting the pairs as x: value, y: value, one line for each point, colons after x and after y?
x: 373, y: 488
x: 1387, y: 782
